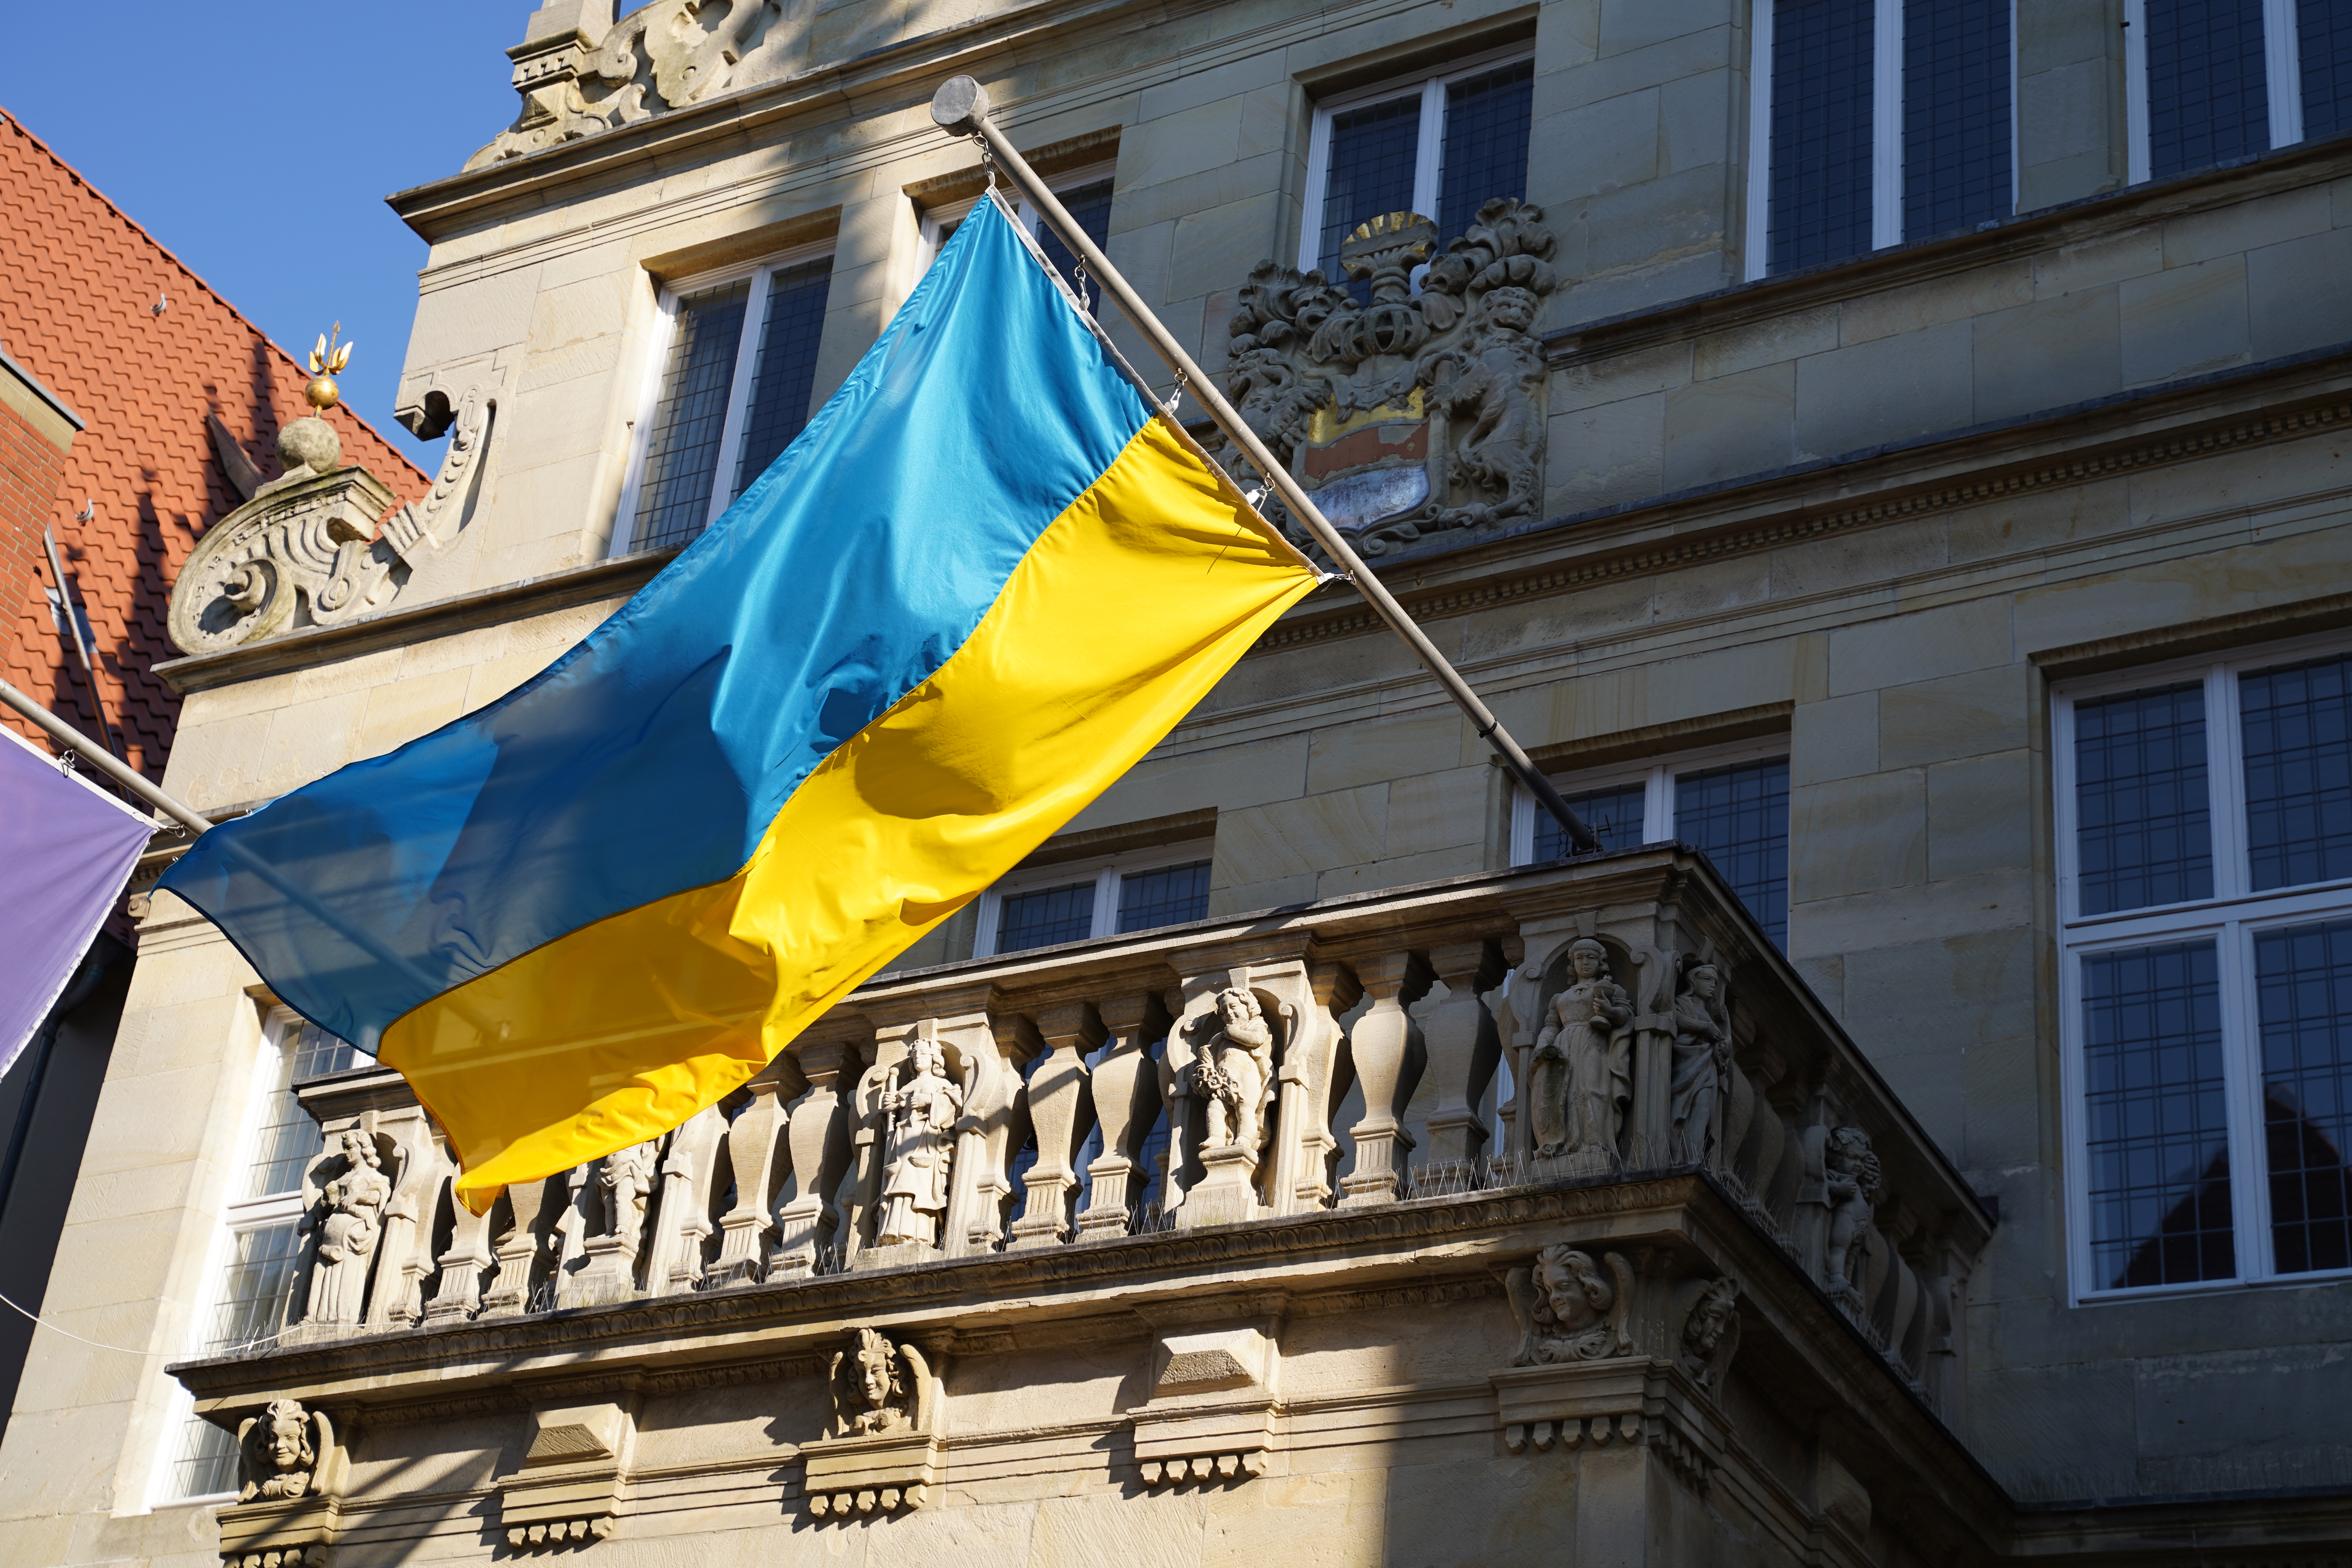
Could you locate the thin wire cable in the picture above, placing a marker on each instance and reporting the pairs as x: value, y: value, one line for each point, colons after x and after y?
x: 69, y: 1332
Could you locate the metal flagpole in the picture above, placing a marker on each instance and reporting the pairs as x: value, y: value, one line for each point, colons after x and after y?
x: 960, y: 106
x: 104, y: 760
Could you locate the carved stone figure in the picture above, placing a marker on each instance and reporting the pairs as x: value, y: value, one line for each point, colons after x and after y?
x: 1418, y: 411
x: 350, y: 1222
x: 279, y: 1451
x: 1566, y: 1311
x: 1581, y: 1074
x: 918, y: 1119
x: 1702, y: 1053
x: 877, y: 1386
x: 1711, y: 1333
x: 622, y: 1180
x: 1849, y: 1185
x: 1233, y: 1075
x: 665, y: 55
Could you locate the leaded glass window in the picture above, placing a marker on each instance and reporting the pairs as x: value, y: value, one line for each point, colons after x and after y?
x: 1047, y: 916
x: 737, y: 376
x: 1074, y: 901
x: 1822, y: 86
x: 2206, y: 100
x: 2325, y: 47
x: 2205, y: 840
x: 1955, y: 115
x: 1090, y: 204
x: 1167, y: 896
x: 1613, y: 813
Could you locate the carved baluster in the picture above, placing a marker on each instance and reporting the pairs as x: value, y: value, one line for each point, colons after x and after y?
x: 466, y: 1266
x: 674, y: 1261
x: 1463, y: 1046
x: 751, y: 1150
x: 818, y: 1137
x: 861, y: 1187
x: 406, y: 1252
x: 519, y: 1250
x: 1125, y: 1085
x: 1310, y: 1063
x: 1060, y: 1110
x: 1389, y: 1054
x: 992, y: 1108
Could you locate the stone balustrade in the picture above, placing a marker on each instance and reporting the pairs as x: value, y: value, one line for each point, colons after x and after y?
x: 1579, y: 1024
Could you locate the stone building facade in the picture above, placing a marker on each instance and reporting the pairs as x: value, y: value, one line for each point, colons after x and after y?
x: 1884, y: 459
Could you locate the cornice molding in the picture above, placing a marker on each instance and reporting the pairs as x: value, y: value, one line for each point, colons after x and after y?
x: 1873, y: 487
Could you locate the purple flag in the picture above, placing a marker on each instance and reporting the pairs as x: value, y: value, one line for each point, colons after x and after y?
x: 66, y: 851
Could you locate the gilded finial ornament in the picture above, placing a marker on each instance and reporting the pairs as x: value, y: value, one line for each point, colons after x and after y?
x: 326, y: 360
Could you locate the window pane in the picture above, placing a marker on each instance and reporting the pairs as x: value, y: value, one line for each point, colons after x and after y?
x: 2158, y: 1146
x: 1821, y: 131
x: 1614, y: 814
x: 2325, y: 29
x: 2206, y: 102
x: 206, y: 1463
x: 1739, y: 815
x: 2304, y: 978
x: 1168, y: 896
x: 253, y: 1287
x: 1046, y: 916
x: 2298, y: 731
x: 1955, y: 115
x: 682, y: 438
x: 1486, y: 119
x: 1090, y: 204
x: 2142, y: 834
x: 785, y: 371
x: 287, y: 1138
x: 1374, y: 150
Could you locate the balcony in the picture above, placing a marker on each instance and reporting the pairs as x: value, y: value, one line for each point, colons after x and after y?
x: 1585, y: 1109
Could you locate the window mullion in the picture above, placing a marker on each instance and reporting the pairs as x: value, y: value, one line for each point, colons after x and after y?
x: 1319, y: 165
x: 665, y: 324
x: 2225, y: 790
x: 984, y: 940
x: 2241, y: 1056
x: 1886, y: 125
x: 1523, y: 827
x: 1106, y: 902
x: 1658, y: 806
x: 1430, y: 152
x: 1757, y: 241
x: 738, y: 394
x: 2135, y: 90
x: 2283, y: 68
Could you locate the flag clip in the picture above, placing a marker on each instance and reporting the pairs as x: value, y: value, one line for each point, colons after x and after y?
x: 1177, y: 396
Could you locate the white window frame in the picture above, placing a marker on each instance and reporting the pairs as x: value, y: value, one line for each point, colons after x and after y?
x: 2233, y: 917
x: 236, y: 1216
x: 1105, y: 869
x: 935, y: 218
x: 1657, y: 778
x: 2281, y: 62
x: 1429, y: 164
x: 738, y: 394
x: 1885, y: 129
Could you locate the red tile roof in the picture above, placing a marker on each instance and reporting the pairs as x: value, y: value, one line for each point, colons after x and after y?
x: 77, y: 281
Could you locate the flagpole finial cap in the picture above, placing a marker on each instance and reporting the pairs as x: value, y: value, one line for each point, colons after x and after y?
x: 959, y: 105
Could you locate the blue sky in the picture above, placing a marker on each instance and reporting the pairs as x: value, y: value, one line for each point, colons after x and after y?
x: 259, y: 140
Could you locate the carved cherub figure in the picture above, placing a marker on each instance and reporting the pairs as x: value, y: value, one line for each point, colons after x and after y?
x: 1582, y: 1075
x: 877, y: 1386
x: 1711, y: 1333
x: 916, y: 1118
x: 278, y: 1451
x: 1702, y: 1052
x: 1849, y: 1183
x: 1234, y: 1074
x: 623, y: 1181
x: 350, y: 1221
x: 1566, y: 1311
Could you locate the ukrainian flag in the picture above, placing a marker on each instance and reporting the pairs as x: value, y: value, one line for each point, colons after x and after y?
x: 983, y: 581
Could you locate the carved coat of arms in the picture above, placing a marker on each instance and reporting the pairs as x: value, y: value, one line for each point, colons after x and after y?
x: 1419, y: 413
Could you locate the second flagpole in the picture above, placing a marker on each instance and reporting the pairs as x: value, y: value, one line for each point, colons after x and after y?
x: 961, y: 107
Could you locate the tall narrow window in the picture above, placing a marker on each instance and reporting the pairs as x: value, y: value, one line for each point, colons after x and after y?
x: 263, y: 1218
x: 736, y: 375
x: 2325, y: 29
x: 2206, y: 102
x: 1735, y: 811
x: 1956, y: 114
x: 2205, y: 911
x: 1821, y: 107
x: 1441, y: 146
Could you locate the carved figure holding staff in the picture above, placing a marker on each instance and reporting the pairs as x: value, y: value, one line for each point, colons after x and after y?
x: 1582, y: 1077
x: 918, y: 1119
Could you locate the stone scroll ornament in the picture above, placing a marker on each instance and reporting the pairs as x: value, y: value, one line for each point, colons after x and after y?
x: 321, y: 543
x: 662, y: 56
x: 1568, y: 1309
x: 1580, y: 1075
x: 279, y: 1451
x: 1422, y: 413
